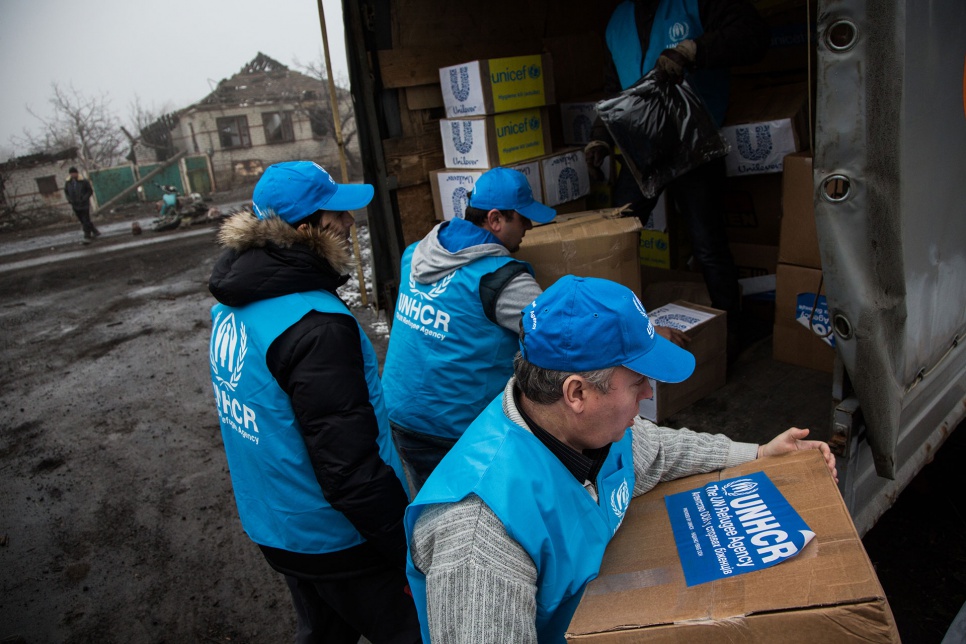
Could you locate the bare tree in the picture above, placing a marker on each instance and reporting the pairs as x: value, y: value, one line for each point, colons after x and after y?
x: 320, y: 113
x: 84, y: 122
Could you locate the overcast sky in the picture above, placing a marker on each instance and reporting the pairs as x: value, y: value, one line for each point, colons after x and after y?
x: 169, y: 54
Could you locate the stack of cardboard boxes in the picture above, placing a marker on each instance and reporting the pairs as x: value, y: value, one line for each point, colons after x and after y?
x: 497, y: 115
x: 802, y: 333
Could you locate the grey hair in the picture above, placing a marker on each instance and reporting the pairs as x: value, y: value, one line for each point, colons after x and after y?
x: 545, y: 386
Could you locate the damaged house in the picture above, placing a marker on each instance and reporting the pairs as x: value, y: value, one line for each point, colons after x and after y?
x: 35, y: 182
x: 264, y: 114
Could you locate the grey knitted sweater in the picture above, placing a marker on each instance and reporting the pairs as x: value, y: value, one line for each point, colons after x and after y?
x: 481, y: 586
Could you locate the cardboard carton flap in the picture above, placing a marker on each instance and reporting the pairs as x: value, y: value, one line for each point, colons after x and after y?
x: 641, y: 582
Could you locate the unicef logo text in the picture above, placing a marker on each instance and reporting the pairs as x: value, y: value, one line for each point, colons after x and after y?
x: 741, y: 487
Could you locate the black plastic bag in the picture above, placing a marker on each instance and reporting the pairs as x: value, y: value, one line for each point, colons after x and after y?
x: 663, y: 130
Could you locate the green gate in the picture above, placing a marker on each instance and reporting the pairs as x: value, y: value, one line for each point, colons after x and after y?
x: 170, y: 176
x: 110, y: 182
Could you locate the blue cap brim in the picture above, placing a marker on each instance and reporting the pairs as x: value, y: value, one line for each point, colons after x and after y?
x: 665, y: 362
x: 537, y: 212
x: 349, y: 196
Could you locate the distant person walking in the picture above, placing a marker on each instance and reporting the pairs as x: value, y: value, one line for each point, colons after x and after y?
x: 79, y: 192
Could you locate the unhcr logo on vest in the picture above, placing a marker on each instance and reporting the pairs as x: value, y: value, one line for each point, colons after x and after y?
x: 423, y: 317
x: 229, y: 344
x: 619, y: 500
x: 678, y: 31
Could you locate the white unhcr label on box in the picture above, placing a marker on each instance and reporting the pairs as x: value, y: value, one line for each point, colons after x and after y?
x: 678, y: 317
x: 759, y: 148
x: 464, y: 143
x: 454, y: 190
x: 462, y: 90
x: 565, y: 178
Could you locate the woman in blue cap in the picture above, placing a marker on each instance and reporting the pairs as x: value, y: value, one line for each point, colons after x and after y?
x: 317, y: 482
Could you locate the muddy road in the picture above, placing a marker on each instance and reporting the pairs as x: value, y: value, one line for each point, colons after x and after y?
x: 118, y: 522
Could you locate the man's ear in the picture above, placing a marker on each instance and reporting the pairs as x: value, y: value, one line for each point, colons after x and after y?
x: 494, y: 221
x: 575, y: 390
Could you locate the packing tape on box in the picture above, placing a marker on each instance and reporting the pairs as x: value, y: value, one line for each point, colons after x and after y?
x: 625, y: 581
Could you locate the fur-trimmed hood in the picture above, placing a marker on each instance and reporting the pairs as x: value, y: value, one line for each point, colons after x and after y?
x: 243, y: 231
x: 267, y: 258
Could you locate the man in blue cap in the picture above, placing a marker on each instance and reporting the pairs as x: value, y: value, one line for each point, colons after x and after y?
x: 317, y: 482
x: 513, y: 523
x: 457, y: 317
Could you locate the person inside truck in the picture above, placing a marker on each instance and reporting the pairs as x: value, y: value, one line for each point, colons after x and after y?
x: 697, y: 40
x: 514, y: 521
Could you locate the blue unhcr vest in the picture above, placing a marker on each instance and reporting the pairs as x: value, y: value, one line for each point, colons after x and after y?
x: 446, y: 359
x: 674, y: 21
x: 563, y: 530
x: 278, y: 496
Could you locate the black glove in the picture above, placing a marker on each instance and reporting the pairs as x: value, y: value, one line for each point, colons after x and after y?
x: 672, y: 64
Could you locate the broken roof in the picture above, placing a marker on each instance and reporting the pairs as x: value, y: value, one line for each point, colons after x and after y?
x: 40, y: 158
x: 265, y: 80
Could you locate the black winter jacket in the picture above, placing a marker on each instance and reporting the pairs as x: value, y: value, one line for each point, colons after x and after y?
x: 318, y: 363
x: 78, y: 193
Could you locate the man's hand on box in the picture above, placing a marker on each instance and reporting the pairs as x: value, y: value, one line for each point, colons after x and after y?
x: 792, y: 440
x: 679, y: 338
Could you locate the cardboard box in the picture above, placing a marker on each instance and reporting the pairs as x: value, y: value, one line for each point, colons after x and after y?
x: 708, y: 332
x: 590, y: 244
x: 792, y: 341
x: 491, y: 141
x: 753, y: 208
x: 531, y: 170
x: 564, y: 176
x: 764, y: 126
x: 754, y: 260
x: 799, y: 238
x: 827, y: 593
x: 451, y: 190
x: 577, y: 118
x: 497, y: 85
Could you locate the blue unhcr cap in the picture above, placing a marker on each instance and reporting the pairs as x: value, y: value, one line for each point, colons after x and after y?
x: 585, y: 324
x: 506, y: 189
x: 296, y: 189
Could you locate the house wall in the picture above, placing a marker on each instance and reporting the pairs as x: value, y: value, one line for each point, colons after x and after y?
x: 197, y: 132
x: 21, y: 191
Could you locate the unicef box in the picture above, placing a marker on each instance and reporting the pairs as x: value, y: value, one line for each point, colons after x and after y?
x: 826, y: 592
x: 763, y: 126
x: 481, y: 143
x: 497, y: 85
x: 707, y: 329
